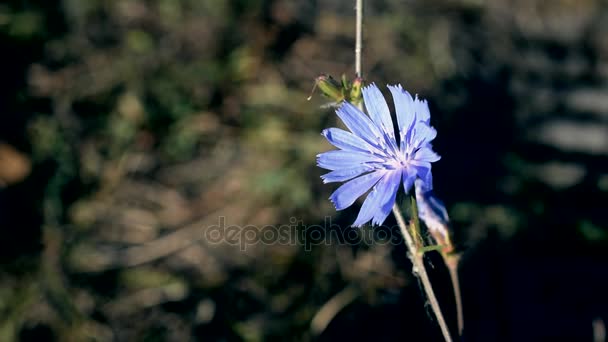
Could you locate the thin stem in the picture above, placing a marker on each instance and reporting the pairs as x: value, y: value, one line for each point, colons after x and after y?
x: 359, y: 37
x: 330, y: 309
x: 415, y: 225
x: 420, y: 269
x: 451, y: 262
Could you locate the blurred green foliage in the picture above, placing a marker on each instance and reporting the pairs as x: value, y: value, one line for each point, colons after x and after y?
x: 147, y: 120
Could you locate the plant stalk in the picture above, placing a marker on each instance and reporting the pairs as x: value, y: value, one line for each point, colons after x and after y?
x: 359, y: 36
x: 420, y: 269
x: 451, y: 261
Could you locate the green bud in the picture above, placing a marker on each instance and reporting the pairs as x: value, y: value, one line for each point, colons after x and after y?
x: 345, y: 84
x: 329, y: 87
x: 355, y: 91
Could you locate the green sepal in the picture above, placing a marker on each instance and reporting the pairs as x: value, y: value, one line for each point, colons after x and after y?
x: 330, y: 88
x: 356, y: 96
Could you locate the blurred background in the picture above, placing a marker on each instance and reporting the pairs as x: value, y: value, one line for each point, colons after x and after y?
x: 131, y: 128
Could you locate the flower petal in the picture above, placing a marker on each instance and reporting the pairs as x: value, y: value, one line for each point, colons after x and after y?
x: 385, y: 189
x: 346, y: 194
x: 342, y: 175
x: 340, y: 159
x: 378, y: 109
x: 387, y: 206
x: 426, y: 154
x: 423, y: 134
x: 421, y: 108
x: 359, y: 123
x: 409, y: 176
x: 404, y: 109
x: 346, y: 140
x: 431, y: 210
x: 423, y: 170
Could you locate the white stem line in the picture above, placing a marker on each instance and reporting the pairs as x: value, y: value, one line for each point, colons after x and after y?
x: 359, y: 37
x: 419, y: 269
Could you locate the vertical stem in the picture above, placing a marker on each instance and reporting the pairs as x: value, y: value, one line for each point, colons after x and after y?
x: 420, y: 269
x: 451, y: 262
x: 359, y: 36
x: 415, y: 225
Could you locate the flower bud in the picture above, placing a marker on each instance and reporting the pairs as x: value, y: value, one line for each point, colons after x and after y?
x: 355, y: 91
x: 434, y: 215
x: 329, y: 87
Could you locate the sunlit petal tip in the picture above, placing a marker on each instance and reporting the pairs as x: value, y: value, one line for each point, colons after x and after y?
x: 358, y: 224
x: 371, y: 86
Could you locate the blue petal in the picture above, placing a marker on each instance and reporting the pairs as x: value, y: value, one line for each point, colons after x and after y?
x: 431, y: 210
x: 340, y: 159
x: 346, y: 194
x: 404, y: 108
x: 421, y: 108
x: 409, y: 176
x: 359, y: 123
x: 387, y: 206
x: 378, y: 109
x: 342, y: 175
x: 423, y: 134
x: 437, y: 208
x: 423, y: 169
x: 382, y: 193
x: 346, y: 140
x: 426, y: 154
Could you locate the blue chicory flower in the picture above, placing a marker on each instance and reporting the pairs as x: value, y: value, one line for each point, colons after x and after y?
x: 370, y: 156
